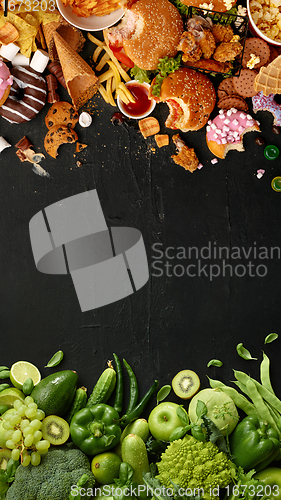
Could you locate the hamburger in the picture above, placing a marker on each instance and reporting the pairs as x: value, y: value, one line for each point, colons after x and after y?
x: 149, y: 30
x: 190, y: 96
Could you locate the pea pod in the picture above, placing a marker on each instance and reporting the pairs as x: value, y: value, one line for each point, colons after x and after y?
x: 4, y: 386
x: 5, y: 374
x: 3, y: 408
x: 240, y: 401
x: 3, y: 368
x: 27, y: 387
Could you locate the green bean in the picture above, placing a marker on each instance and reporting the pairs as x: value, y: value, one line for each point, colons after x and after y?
x: 241, y: 386
x: 239, y: 400
x: 265, y: 393
x: 259, y: 403
x: 275, y: 415
x: 265, y: 374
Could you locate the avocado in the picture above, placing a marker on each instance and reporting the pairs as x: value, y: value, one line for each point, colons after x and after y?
x: 54, y: 394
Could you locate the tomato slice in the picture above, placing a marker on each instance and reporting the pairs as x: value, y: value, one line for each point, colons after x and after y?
x: 177, y: 111
x: 121, y: 56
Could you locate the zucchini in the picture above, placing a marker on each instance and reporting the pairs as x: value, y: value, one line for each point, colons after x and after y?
x: 79, y: 402
x: 104, y: 387
x: 133, y: 450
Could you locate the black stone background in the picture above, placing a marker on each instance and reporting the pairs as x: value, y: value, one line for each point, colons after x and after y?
x: 172, y: 323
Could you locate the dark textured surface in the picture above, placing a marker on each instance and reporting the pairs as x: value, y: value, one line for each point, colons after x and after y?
x: 173, y: 322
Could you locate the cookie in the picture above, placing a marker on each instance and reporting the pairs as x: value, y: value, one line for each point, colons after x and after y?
x: 233, y: 101
x: 61, y: 113
x: 57, y: 135
x: 259, y: 48
x: 226, y: 88
x: 244, y: 83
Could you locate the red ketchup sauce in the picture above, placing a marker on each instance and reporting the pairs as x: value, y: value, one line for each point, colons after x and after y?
x: 142, y: 103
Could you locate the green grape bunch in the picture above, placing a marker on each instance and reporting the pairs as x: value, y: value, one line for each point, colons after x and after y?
x: 23, y: 436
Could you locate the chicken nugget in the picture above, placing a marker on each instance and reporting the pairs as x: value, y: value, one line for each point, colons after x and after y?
x: 227, y: 51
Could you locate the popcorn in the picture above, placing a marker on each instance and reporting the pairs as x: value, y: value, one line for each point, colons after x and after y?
x: 253, y: 61
x: 260, y: 173
x: 266, y: 16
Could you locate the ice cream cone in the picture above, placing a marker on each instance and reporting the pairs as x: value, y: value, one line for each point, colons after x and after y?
x: 73, y: 36
x: 80, y: 79
x: 268, y: 80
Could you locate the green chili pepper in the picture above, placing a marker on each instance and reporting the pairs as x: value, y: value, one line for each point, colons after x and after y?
x: 134, y: 391
x: 118, y: 403
x: 138, y: 410
x: 95, y: 429
x: 254, y: 444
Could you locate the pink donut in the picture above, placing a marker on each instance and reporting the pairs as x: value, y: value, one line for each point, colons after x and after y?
x: 20, y: 109
x: 263, y: 102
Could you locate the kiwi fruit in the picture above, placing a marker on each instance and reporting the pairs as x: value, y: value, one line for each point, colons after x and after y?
x: 55, y: 429
x: 185, y: 384
x: 5, y: 456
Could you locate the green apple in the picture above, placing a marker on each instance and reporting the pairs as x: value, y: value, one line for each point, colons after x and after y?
x: 163, y: 420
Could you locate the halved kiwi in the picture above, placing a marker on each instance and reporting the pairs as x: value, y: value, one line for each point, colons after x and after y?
x: 5, y: 456
x: 55, y: 429
x: 185, y: 384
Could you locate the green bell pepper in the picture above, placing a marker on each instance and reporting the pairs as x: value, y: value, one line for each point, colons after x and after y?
x: 95, y: 429
x: 254, y: 444
x: 271, y: 477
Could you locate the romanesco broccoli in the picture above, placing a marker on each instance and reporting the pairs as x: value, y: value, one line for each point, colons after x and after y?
x: 195, y: 465
x: 52, y: 479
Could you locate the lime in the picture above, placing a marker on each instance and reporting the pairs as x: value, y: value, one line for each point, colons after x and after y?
x: 105, y: 467
x: 21, y: 371
x: 8, y: 396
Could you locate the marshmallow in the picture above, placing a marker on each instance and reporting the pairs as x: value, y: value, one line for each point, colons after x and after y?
x: 9, y: 51
x: 39, y: 60
x: 85, y: 119
x: 3, y: 144
x: 20, y: 60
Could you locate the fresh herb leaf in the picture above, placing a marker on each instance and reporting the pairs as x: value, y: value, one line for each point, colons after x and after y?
x: 156, y: 489
x: 215, y: 435
x: 201, y: 409
x: 243, y: 352
x: 155, y: 447
x: 55, y: 359
x: 183, y: 416
x: 270, y: 338
x: 214, y: 362
x: 163, y: 393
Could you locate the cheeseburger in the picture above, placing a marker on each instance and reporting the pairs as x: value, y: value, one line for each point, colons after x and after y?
x: 149, y: 30
x: 191, y: 98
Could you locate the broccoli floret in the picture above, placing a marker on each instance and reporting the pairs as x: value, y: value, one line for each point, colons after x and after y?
x: 198, y: 466
x: 52, y: 478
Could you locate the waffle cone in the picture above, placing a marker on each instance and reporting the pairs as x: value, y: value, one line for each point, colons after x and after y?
x: 268, y: 80
x: 73, y: 36
x: 81, y: 81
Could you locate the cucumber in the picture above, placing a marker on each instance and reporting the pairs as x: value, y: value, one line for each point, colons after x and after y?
x: 138, y: 427
x: 104, y: 387
x: 54, y: 394
x: 79, y: 402
x: 134, y: 452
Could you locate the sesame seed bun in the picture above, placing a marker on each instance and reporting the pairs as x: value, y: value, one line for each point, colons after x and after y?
x: 191, y: 98
x: 150, y: 29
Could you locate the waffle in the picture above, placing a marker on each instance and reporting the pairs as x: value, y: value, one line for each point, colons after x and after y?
x: 268, y: 80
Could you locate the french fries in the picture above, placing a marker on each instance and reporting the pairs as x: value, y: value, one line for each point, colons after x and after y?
x: 113, y: 76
